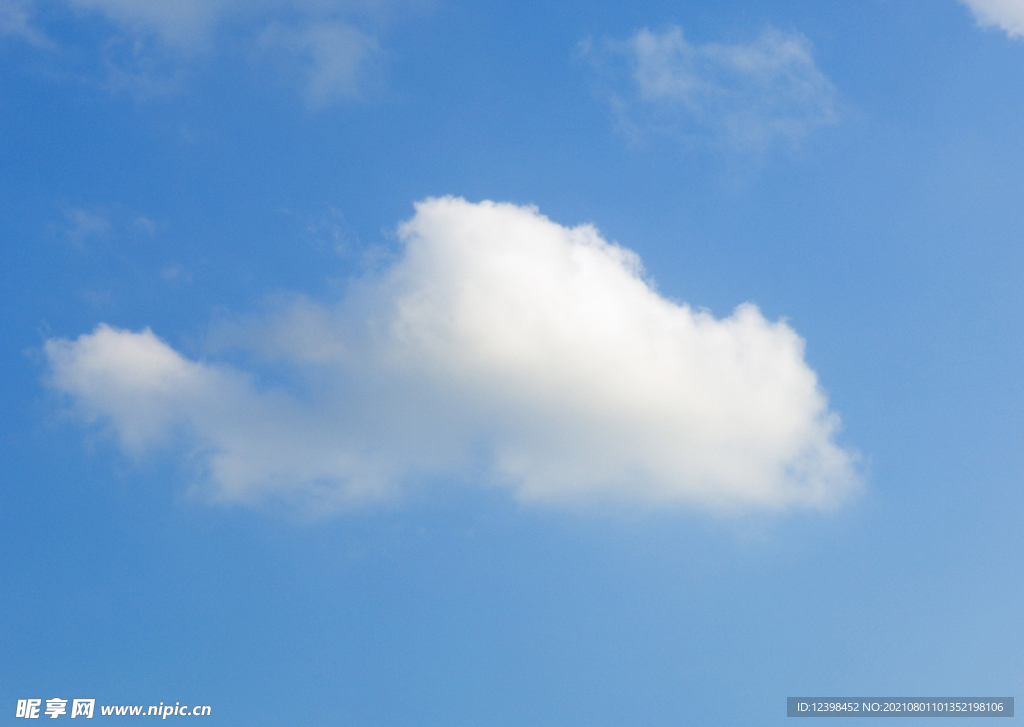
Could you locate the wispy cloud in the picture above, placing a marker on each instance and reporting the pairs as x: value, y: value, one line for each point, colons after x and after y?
x: 333, y: 57
x: 183, y: 24
x: 175, y: 275
x: 81, y: 224
x: 153, y: 43
x: 16, y: 22
x: 1008, y: 15
x: 500, y: 348
x: 746, y: 95
x: 92, y: 223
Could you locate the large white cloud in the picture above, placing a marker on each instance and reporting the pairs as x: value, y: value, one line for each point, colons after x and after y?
x: 500, y: 348
x: 1005, y: 14
x: 748, y: 95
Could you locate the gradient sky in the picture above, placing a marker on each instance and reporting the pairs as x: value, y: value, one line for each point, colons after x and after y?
x: 420, y: 363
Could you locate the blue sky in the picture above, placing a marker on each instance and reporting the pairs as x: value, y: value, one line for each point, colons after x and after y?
x: 407, y: 362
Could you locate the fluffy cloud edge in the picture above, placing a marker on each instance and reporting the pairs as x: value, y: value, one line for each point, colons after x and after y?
x: 1007, y: 15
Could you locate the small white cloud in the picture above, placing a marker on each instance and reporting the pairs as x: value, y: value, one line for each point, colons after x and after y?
x: 98, y: 298
x: 333, y: 57
x: 82, y: 224
x: 749, y: 95
x: 500, y: 348
x: 1007, y: 15
x: 175, y: 274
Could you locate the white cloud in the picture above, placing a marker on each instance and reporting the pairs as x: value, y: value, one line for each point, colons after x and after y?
x: 749, y: 95
x: 1005, y: 14
x: 334, y: 57
x: 500, y: 348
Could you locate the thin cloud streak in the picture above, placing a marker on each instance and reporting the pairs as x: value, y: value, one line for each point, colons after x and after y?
x: 183, y: 24
x: 152, y: 44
